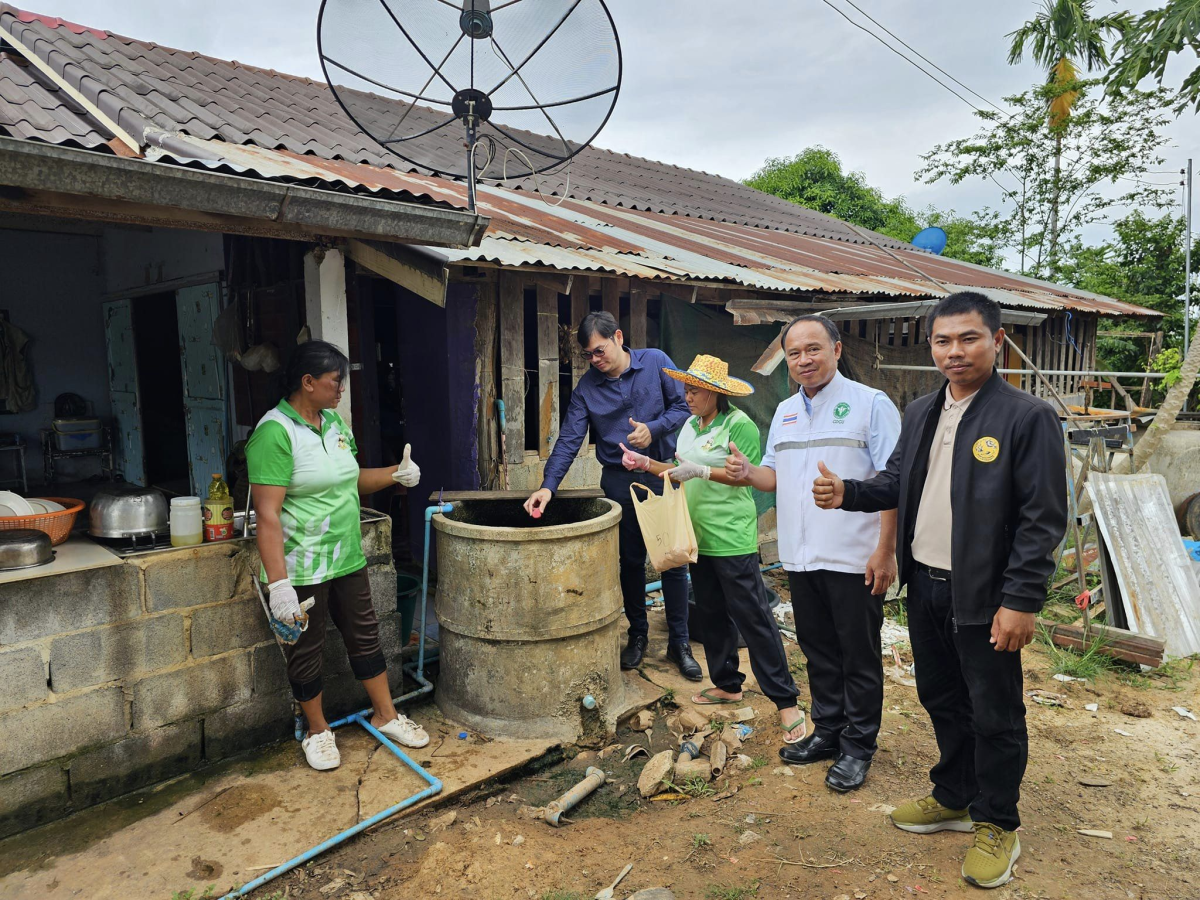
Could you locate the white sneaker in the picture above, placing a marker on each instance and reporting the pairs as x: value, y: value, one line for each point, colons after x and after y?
x: 321, y: 751
x: 405, y: 731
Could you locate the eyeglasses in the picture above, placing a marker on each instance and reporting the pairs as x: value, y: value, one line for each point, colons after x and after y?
x: 589, y: 355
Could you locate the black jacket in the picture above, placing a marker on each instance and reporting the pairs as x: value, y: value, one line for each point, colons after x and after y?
x: 1009, y: 514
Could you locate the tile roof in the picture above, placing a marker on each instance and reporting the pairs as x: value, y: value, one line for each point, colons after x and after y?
x: 624, y: 215
x: 142, y: 85
x: 33, y: 110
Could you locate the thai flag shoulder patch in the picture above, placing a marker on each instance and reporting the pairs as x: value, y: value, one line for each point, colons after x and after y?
x: 790, y: 419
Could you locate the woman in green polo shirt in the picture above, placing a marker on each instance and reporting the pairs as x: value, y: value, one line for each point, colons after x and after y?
x: 726, y: 577
x: 306, y: 484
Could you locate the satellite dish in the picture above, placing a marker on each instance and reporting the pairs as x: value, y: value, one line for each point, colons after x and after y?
x: 527, y: 83
x: 932, y: 239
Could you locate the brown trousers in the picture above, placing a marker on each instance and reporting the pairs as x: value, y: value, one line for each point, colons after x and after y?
x: 346, y: 600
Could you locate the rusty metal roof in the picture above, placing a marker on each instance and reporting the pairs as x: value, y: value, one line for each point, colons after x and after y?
x: 623, y: 215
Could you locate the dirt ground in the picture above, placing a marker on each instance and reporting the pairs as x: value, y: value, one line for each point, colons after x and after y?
x: 774, y: 831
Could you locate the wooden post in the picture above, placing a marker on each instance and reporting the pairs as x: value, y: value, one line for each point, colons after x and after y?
x: 486, y: 329
x: 637, y: 317
x: 1155, y: 347
x: 610, y: 296
x: 512, y: 363
x: 547, y: 338
x: 580, y: 288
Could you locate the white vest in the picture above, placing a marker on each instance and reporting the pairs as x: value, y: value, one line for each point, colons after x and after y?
x: 838, y: 434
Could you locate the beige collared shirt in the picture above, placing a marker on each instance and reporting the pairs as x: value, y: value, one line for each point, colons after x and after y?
x: 931, y: 540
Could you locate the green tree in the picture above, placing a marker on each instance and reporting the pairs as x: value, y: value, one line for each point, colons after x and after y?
x: 1105, y: 148
x: 1150, y: 42
x: 1061, y: 38
x: 814, y: 179
x: 1143, y: 264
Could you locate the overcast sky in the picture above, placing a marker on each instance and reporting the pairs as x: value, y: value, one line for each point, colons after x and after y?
x: 717, y: 86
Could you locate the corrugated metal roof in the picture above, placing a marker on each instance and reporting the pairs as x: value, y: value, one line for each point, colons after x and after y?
x: 624, y: 215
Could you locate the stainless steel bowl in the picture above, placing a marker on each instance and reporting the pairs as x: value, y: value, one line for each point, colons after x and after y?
x: 124, y: 510
x: 24, y: 548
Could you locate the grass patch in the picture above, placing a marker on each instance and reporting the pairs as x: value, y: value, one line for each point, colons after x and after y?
x: 562, y: 895
x: 732, y: 892
x: 897, y: 610
x: 693, y: 787
x: 1088, y: 662
x: 1170, y: 676
x: 700, y: 841
x: 191, y: 894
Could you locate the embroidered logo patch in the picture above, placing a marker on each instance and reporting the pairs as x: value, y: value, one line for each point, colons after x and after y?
x: 790, y: 419
x: 342, y: 444
x: 986, y: 449
x: 841, y: 411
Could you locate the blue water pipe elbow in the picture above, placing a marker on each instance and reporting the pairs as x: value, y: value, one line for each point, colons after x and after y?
x: 589, y: 702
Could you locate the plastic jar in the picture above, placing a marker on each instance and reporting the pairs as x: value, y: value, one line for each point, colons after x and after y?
x: 187, y: 527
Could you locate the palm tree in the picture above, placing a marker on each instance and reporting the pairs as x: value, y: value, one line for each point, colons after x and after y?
x: 1063, y: 36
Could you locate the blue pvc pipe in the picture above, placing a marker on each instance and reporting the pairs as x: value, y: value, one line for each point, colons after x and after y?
x: 363, y: 718
x: 503, y: 422
x: 434, y: 787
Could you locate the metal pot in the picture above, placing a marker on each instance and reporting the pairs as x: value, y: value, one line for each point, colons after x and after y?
x: 24, y: 548
x: 125, y: 510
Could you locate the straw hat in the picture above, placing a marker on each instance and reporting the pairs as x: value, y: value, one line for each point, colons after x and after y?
x: 712, y: 374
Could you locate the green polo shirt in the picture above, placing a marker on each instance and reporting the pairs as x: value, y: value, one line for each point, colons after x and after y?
x: 322, y: 535
x: 724, y: 518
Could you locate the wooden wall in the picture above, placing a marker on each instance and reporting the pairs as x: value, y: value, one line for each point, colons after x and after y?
x: 533, y: 362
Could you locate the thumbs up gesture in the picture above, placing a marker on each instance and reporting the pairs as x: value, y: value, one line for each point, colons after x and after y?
x: 408, y: 473
x: 640, y: 436
x: 737, y: 467
x: 828, y: 489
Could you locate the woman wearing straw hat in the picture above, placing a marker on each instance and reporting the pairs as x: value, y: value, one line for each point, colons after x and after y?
x: 726, y: 577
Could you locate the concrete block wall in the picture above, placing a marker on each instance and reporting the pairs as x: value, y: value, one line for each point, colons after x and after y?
x: 117, y: 678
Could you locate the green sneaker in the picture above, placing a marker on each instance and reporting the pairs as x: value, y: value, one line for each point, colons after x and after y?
x: 925, y: 816
x: 990, y: 862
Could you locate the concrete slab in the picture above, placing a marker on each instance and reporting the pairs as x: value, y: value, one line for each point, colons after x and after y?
x: 229, y: 824
x: 232, y: 823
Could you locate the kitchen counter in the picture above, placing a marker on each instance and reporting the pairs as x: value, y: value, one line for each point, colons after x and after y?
x: 76, y: 554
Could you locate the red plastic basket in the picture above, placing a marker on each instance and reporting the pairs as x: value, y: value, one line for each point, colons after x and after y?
x: 56, y: 524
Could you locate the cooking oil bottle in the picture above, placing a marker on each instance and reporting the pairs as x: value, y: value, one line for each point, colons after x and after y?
x: 218, y: 511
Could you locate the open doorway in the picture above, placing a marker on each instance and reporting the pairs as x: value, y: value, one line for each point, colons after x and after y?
x: 160, y: 393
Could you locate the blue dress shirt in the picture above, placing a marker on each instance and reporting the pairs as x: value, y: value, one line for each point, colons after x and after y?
x: 643, y: 392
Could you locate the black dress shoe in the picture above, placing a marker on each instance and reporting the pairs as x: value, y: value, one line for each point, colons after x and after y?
x: 815, y: 747
x: 847, y: 774
x: 635, y: 650
x: 681, y: 655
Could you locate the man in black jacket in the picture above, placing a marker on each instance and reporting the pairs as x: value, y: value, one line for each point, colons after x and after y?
x: 979, y: 480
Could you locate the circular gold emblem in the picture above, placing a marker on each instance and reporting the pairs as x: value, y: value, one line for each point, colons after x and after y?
x: 986, y: 449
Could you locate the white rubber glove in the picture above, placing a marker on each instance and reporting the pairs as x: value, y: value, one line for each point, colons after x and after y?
x: 409, y: 473
x: 284, y: 603
x: 686, y: 471
x: 634, y: 462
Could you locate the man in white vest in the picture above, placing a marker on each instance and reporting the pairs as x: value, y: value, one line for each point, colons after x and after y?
x: 839, y: 564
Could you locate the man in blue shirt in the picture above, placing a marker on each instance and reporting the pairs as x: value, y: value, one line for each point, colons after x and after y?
x: 626, y: 398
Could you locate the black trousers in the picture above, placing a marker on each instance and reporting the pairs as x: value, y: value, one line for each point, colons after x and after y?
x: 729, y: 592
x: 974, y: 696
x: 346, y: 600
x: 837, y: 625
x: 615, y: 484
